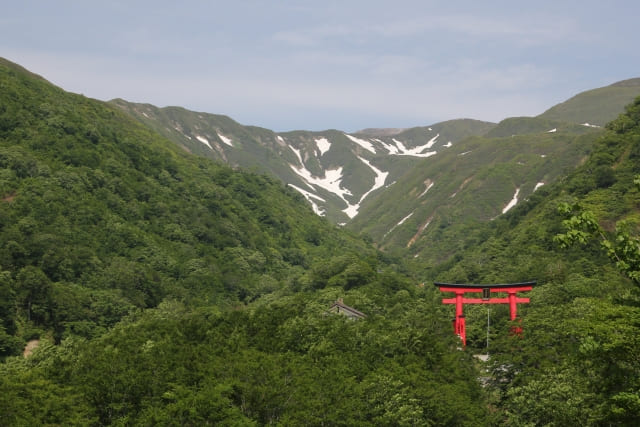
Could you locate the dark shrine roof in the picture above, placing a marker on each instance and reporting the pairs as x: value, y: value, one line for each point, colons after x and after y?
x: 479, y: 286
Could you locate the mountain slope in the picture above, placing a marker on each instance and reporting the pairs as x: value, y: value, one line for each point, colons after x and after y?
x: 433, y: 209
x: 99, y: 216
x: 334, y: 171
x: 434, y: 206
x: 584, y: 315
x: 343, y: 175
x: 163, y: 288
x: 597, y: 106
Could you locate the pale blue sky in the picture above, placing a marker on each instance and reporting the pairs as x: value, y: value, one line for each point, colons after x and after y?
x: 316, y: 65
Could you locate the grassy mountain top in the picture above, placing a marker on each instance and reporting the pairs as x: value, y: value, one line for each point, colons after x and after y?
x: 534, y: 125
x: 596, y: 106
x: 378, y: 132
x: 455, y: 130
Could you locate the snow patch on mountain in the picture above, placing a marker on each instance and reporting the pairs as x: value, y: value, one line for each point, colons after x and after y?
x: 204, y: 140
x: 323, y: 145
x: 331, y: 181
x: 225, y: 139
x: 362, y: 142
x: 429, y: 184
x: 590, y: 125
x: 416, y: 151
x: 404, y: 219
x: 513, y: 201
x: 381, y: 177
x: 297, y: 153
x: 432, y: 141
x: 309, y: 196
x: 552, y: 130
x: 448, y: 144
x: 391, y: 149
x: 399, y: 149
x: 538, y: 185
x: 399, y: 223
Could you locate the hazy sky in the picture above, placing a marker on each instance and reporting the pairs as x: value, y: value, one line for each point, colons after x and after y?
x: 316, y: 65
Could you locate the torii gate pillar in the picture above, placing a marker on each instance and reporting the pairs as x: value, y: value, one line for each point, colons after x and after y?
x: 460, y: 289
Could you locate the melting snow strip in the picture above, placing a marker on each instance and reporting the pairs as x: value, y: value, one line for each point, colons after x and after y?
x: 417, y: 151
x: 203, y: 140
x: 513, y: 201
x: 381, y: 177
x: 427, y: 189
x: 323, y: 145
x: 538, y: 185
x: 399, y: 223
x: 225, y: 139
x: 362, y: 142
x: 318, y: 210
x: 295, y: 150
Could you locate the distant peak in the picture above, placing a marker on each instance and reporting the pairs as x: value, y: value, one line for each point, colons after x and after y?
x: 628, y: 83
x: 378, y: 132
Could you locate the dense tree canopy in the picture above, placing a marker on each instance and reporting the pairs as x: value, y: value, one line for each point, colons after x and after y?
x: 164, y: 289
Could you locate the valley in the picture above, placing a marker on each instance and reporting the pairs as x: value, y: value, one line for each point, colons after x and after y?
x: 179, y: 268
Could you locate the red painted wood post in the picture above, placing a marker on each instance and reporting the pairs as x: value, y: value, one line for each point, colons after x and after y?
x: 513, y: 308
x: 460, y: 321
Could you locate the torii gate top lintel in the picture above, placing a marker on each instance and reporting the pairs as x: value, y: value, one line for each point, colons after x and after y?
x: 503, y: 287
x: 460, y: 289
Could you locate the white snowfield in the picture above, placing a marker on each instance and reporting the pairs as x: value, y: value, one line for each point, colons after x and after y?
x: 225, y: 139
x: 426, y: 189
x: 204, y: 140
x: 309, y: 196
x: 332, y: 179
x: 416, y: 151
x: 297, y: 152
x: 381, y: 177
x: 323, y: 145
x: 513, y: 201
x: 397, y: 148
x: 552, y: 130
x: 363, y: 143
x: 399, y: 223
x: 332, y: 182
x: 589, y: 125
x: 405, y: 218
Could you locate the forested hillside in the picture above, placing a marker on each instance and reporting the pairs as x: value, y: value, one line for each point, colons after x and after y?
x: 161, y: 288
x: 577, y: 362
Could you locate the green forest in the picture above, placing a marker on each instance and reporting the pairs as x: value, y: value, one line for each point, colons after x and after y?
x: 162, y: 288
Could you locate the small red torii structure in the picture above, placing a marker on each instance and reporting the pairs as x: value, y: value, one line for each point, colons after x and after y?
x: 460, y: 289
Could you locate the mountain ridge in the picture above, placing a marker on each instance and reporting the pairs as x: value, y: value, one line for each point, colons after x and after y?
x: 338, y: 172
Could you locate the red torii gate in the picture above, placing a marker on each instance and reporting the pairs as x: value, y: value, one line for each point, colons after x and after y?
x: 460, y: 289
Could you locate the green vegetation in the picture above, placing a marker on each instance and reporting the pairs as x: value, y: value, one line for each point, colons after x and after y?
x: 597, y: 106
x: 577, y: 360
x: 165, y: 289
